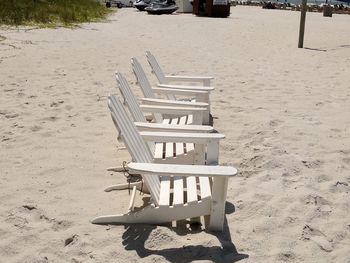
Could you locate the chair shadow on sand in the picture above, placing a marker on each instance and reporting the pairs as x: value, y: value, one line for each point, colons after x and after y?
x: 327, y: 49
x: 135, y: 236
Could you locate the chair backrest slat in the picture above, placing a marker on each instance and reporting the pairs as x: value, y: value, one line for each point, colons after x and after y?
x: 145, y: 85
x: 131, y: 102
x: 156, y: 68
x: 130, y: 98
x: 142, y: 79
x: 134, y: 143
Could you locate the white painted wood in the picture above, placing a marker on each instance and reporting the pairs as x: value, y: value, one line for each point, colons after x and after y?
x: 142, y: 79
x: 133, y: 141
x: 217, y: 211
x: 116, y: 169
x: 150, y: 93
x: 164, y: 198
x: 138, y: 114
x: 182, y: 170
x: 132, y: 199
x: 147, y: 126
x: 184, y: 120
x: 183, y: 87
x: 178, y: 78
x: 213, y: 153
x: 201, y: 138
x: 158, y: 150
x: 155, y: 67
x: 171, y: 109
x: 161, y: 102
x: 205, y: 189
x: 131, y: 101
x: 180, y: 92
x: 199, y: 154
x: 162, y: 78
x: 191, y: 186
x: 158, y: 177
x: 178, y: 187
x: 129, y: 98
x: 126, y: 186
x: 179, y: 146
x: 164, y: 102
x: 169, y: 149
x: 157, y: 215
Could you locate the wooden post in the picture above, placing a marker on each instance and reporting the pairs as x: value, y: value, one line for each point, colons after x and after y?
x: 302, y: 24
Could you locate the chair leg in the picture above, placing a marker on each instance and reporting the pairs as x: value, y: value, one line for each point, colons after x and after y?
x: 139, y: 186
x: 217, y: 213
x: 156, y: 215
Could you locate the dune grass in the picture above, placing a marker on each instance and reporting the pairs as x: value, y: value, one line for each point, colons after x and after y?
x: 51, y: 12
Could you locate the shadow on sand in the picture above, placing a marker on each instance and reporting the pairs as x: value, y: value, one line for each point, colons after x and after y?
x: 135, y: 236
x: 327, y: 49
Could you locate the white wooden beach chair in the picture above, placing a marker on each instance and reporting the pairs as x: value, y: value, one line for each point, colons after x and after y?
x: 168, y: 152
x: 164, y: 151
x: 197, y: 96
x: 177, y: 191
x: 179, y: 112
x: 165, y: 79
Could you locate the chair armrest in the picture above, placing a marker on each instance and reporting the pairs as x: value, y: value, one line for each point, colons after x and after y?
x: 199, y: 96
x: 182, y: 170
x: 200, y: 138
x: 171, y: 110
x: 165, y: 102
x: 183, y: 87
x: 188, y: 78
x: 204, y: 79
x: 145, y: 126
x: 179, y: 92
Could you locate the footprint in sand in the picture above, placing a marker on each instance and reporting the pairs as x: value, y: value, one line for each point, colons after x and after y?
x: 346, y: 160
x: 36, y: 128
x: 340, y: 186
x: 51, y: 118
x: 316, y: 200
x: 312, y: 164
x: 28, y: 215
x: 315, y: 235
x: 56, y: 104
x: 9, y: 115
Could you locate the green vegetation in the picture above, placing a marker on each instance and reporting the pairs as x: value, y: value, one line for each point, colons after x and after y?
x: 50, y: 12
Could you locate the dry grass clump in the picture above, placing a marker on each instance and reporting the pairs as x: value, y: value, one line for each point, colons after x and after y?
x: 50, y: 12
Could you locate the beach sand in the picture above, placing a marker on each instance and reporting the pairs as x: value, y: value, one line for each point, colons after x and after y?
x: 285, y: 113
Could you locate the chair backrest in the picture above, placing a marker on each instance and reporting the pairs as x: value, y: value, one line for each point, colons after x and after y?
x: 129, y: 98
x: 142, y: 79
x: 134, y: 143
x: 145, y: 85
x: 156, y: 68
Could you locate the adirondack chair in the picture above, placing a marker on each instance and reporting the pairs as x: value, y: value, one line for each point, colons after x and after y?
x: 170, y: 152
x: 180, y: 113
x: 197, y: 95
x: 177, y: 191
x: 165, y: 79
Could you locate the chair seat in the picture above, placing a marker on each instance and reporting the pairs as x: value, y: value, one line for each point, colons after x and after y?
x: 179, y: 191
x: 176, y: 149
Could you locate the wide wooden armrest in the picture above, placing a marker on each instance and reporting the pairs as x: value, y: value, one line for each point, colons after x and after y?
x: 183, y: 87
x: 179, y: 92
x: 200, y: 138
x: 171, y: 110
x: 182, y: 170
x: 174, y: 102
x: 146, y: 126
x: 187, y: 78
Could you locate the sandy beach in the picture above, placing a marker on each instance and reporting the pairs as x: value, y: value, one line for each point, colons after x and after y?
x: 285, y: 113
